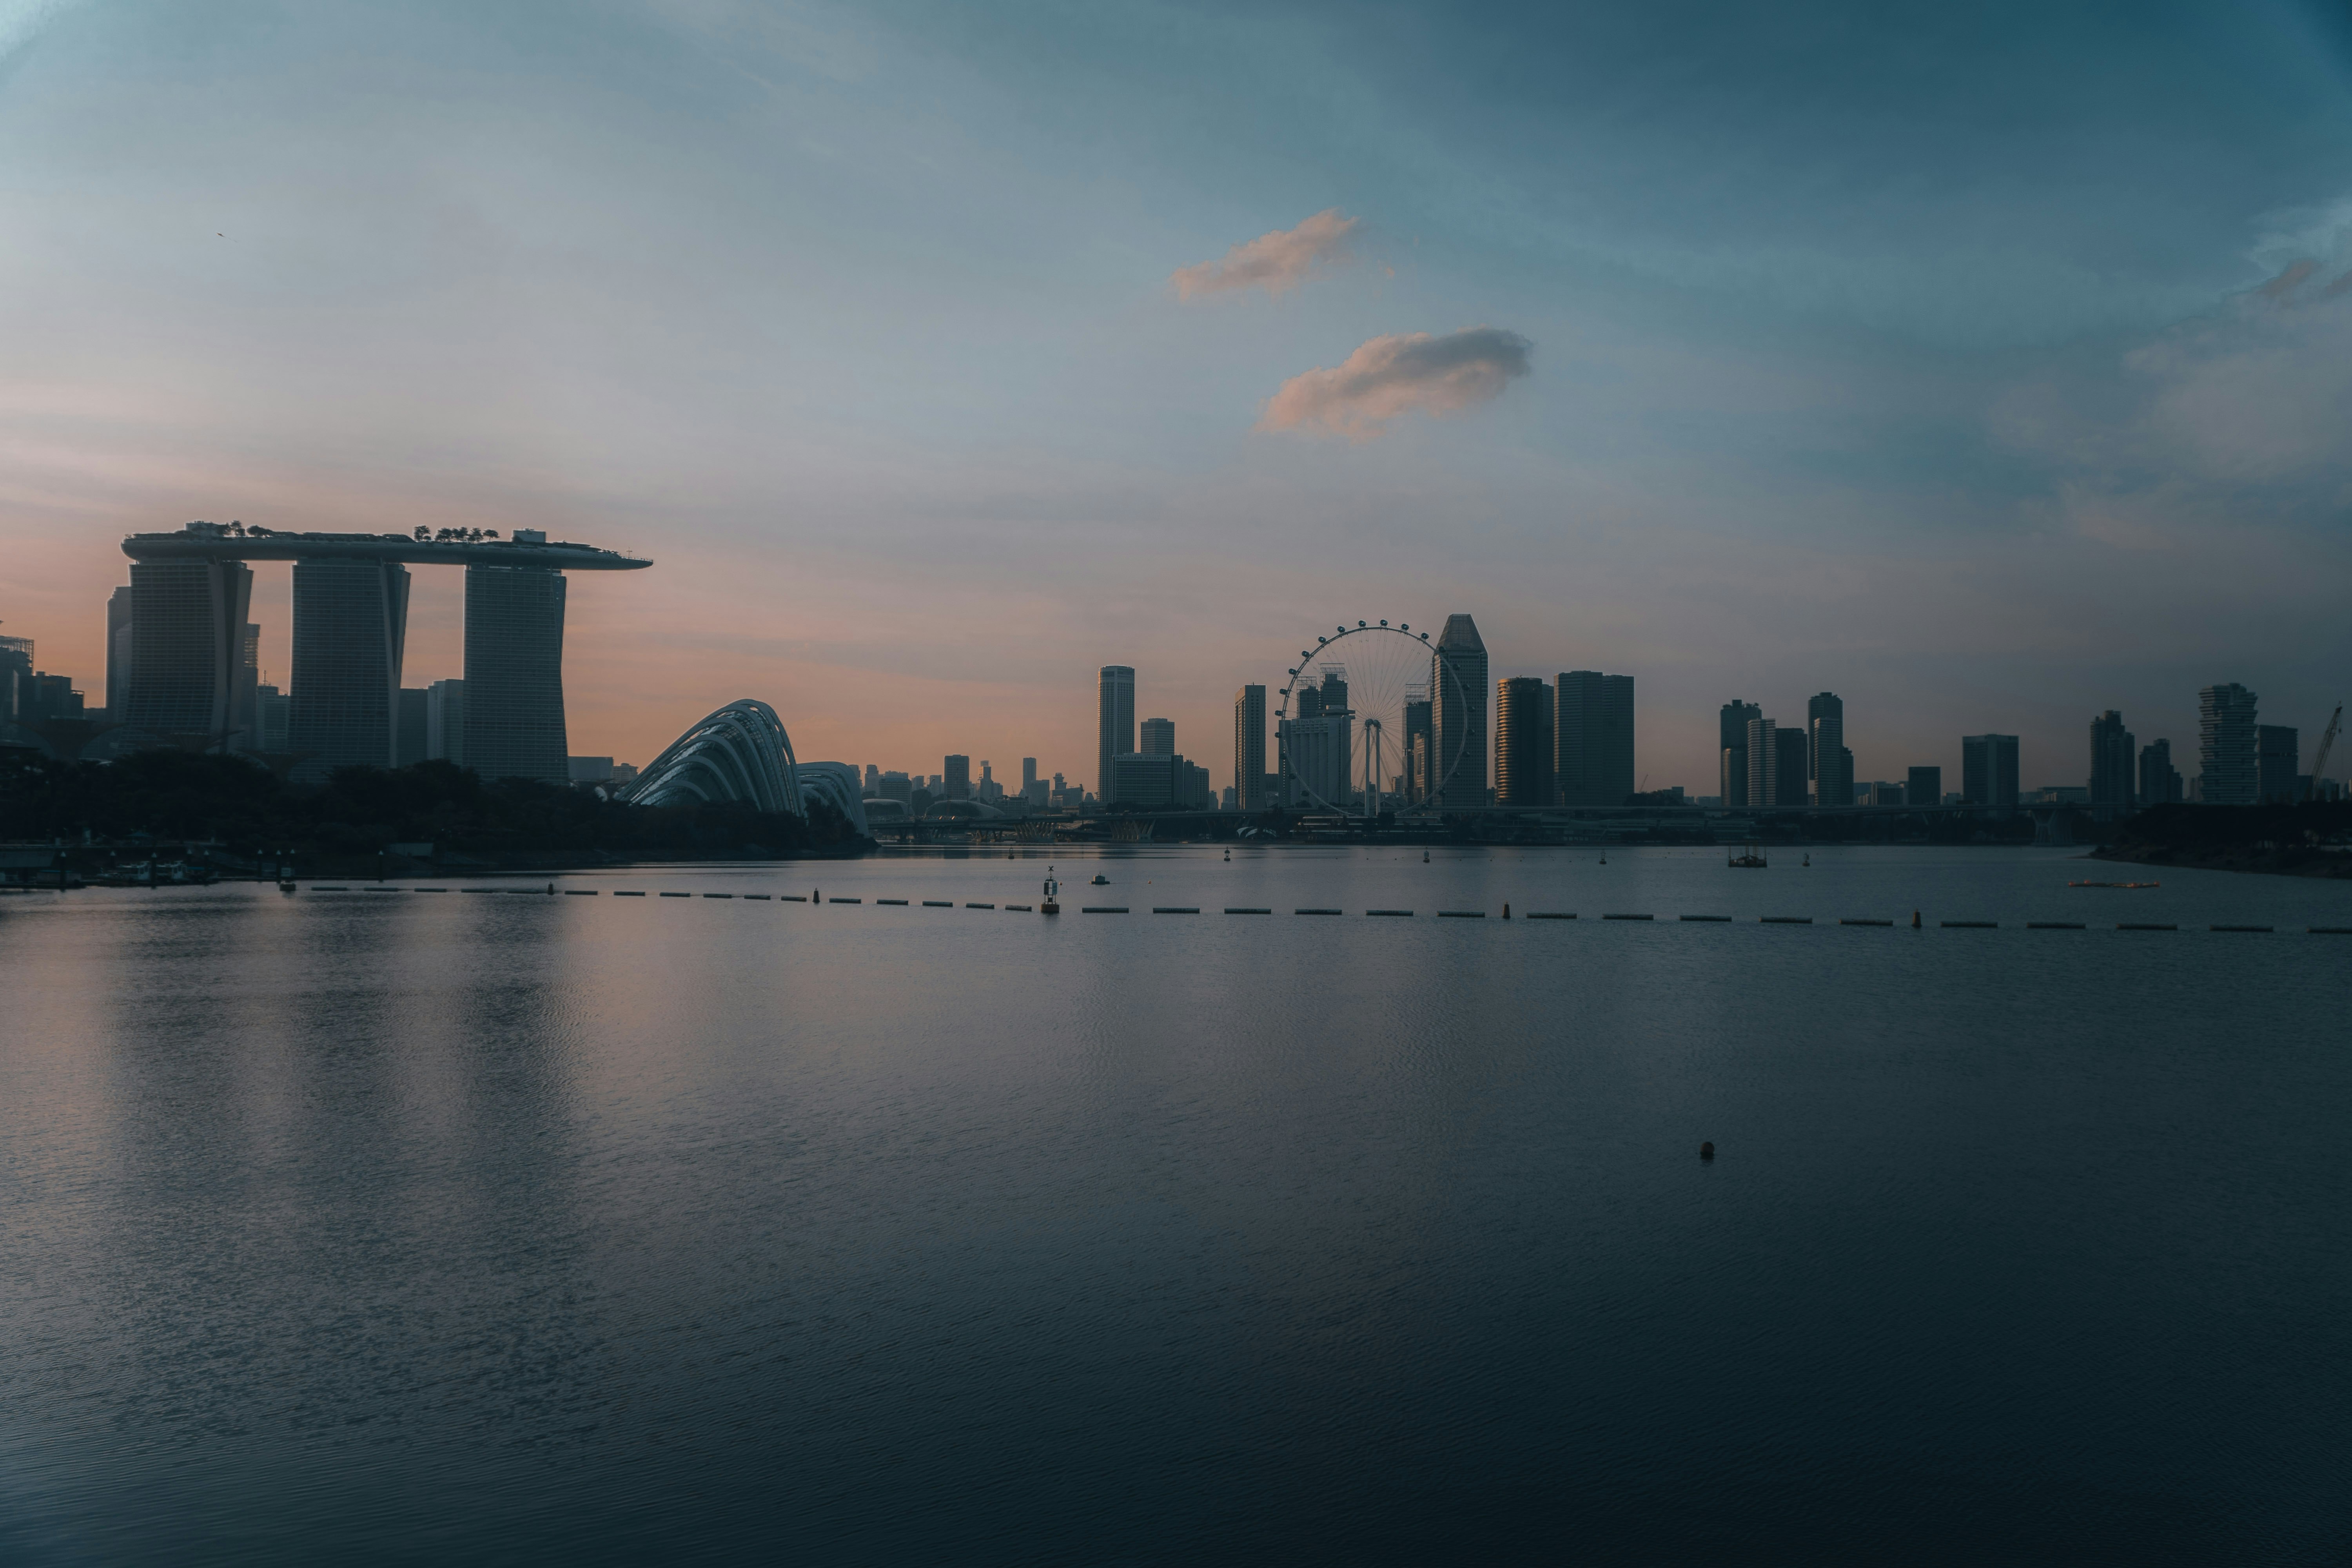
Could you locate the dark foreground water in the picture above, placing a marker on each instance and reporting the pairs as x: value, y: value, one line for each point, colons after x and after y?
x: 416, y: 1227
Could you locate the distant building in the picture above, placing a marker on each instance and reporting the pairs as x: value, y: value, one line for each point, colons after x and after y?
x: 955, y: 782
x: 46, y: 696
x: 1518, y: 741
x: 16, y: 675
x: 895, y: 786
x: 187, y: 634
x: 409, y: 731
x: 1457, y: 694
x: 2112, y: 755
x: 1829, y: 765
x: 1226, y: 800
x: 1879, y: 792
x: 1159, y: 738
x: 1989, y: 770
x: 2159, y: 780
x: 444, y: 721
x: 1028, y: 776
x: 348, y: 621
x: 1154, y: 778
x: 1761, y: 754
x: 1923, y: 786
x: 514, y: 672
x: 1732, y: 727
x: 1593, y: 738
x: 1249, y: 748
x: 1790, y: 789
x: 873, y: 779
x: 1114, y: 724
x: 2277, y: 755
x: 1314, y: 756
x: 2228, y: 758
x: 118, y: 650
x: 1419, y: 746
x: 273, y: 717
x: 589, y: 770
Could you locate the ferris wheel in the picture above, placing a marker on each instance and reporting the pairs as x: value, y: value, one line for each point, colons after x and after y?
x: 1355, y: 730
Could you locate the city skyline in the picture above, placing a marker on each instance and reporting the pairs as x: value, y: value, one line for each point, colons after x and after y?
x: 1990, y: 423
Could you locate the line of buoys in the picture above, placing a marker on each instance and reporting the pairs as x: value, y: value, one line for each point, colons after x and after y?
x: 816, y: 896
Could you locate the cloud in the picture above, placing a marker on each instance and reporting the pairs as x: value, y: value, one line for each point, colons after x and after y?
x: 1399, y: 374
x: 1275, y: 262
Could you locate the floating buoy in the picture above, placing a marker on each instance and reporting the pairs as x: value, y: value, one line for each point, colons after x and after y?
x: 1707, y: 1151
x: 1914, y: 920
x: 1507, y: 912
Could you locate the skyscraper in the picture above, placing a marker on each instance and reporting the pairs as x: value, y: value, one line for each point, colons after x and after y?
x: 243, y: 726
x: 514, y: 673
x: 1457, y: 695
x: 1790, y: 789
x: 1518, y: 741
x: 1249, y: 748
x: 409, y: 728
x: 273, y: 716
x: 1989, y: 770
x: 1028, y: 776
x: 1419, y: 746
x: 2278, y: 756
x: 2159, y: 780
x: 1829, y: 765
x: 444, y: 721
x: 1763, y: 758
x: 1924, y: 786
x: 187, y: 639
x: 2228, y: 757
x: 1160, y: 737
x: 118, y: 651
x: 350, y: 620
x: 1731, y: 729
x: 1114, y: 725
x: 2111, y: 760
x: 1594, y: 738
x: 15, y: 678
x: 956, y: 778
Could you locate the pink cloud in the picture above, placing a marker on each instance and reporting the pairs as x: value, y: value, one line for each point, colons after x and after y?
x: 1400, y: 373
x: 1274, y: 262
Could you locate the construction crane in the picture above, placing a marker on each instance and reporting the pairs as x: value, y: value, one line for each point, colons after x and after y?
x: 2319, y: 762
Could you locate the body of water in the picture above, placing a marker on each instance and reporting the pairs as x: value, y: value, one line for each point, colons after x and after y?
x: 409, y: 1225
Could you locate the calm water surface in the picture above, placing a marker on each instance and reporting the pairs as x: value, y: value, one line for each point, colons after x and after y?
x: 416, y: 1225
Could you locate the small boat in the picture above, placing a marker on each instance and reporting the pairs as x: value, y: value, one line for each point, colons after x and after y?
x: 1808, y: 859
x: 1424, y: 856
x: 1750, y: 856
x: 1100, y: 880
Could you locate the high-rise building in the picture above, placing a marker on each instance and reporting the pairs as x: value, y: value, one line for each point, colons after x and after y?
x: 1159, y: 737
x: 118, y: 650
x: 514, y: 673
x: 1028, y: 776
x: 350, y: 621
x: 956, y: 778
x: 2278, y: 755
x: 1249, y: 748
x: 273, y: 717
x: 1114, y: 724
x: 1594, y: 738
x: 2228, y: 755
x: 2159, y: 780
x: 1731, y: 728
x: 895, y: 786
x: 1457, y: 719
x: 1547, y: 744
x: 1160, y: 778
x: 1829, y: 765
x: 873, y: 778
x: 1923, y: 786
x: 2111, y: 762
x: 46, y: 696
x: 16, y: 677
x: 1989, y: 770
x: 1518, y: 741
x: 243, y: 728
x: 1763, y: 757
x: 187, y: 641
x: 1790, y: 788
x: 444, y: 721
x: 408, y: 734
x: 1419, y: 746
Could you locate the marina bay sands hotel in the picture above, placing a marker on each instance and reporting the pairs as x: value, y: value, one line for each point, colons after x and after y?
x: 188, y: 653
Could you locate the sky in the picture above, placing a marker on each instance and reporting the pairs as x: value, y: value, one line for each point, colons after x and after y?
x: 1989, y: 366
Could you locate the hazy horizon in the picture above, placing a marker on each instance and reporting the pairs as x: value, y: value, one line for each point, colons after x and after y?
x: 1988, y: 369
